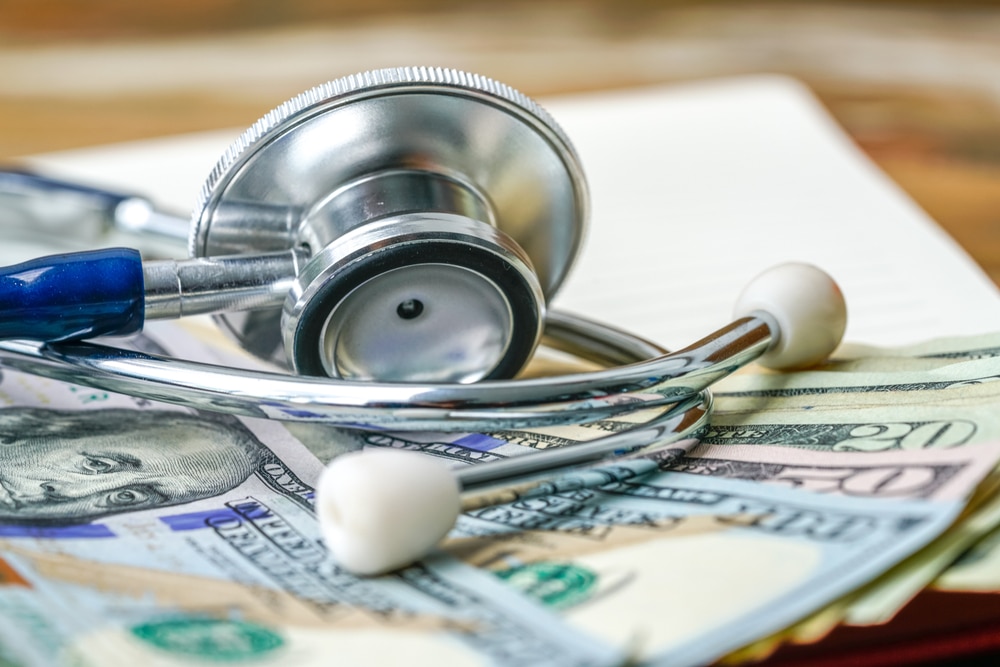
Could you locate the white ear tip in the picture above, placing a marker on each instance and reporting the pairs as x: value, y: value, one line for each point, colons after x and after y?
x: 383, y: 509
x: 806, y: 305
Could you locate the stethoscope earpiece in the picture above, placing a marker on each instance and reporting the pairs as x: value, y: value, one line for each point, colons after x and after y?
x: 805, y: 305
x: 383, y: 509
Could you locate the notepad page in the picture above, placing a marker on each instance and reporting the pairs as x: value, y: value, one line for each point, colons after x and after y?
x: 695, y: 188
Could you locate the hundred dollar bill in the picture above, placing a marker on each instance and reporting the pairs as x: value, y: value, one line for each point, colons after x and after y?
x: 689, y: 568
x: 880, y: 602
x: 132, y: 531
x: 885, y: 474
x: 939, y: 473
x: 869, y: 604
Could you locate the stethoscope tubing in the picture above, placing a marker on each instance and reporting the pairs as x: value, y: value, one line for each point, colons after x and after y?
x: 651, y: 378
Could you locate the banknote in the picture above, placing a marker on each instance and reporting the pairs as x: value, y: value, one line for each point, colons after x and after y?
x: 930, y: 419
x: 942, y: 474
x: 927, y: 355
x: 917, y: 415
x: 880, y: 601
x: 840, y: 385
x: 687, y: 567
x: 934, y: 473
x: 976, y: 569
x: 932, y: 374
x: 952, y: 405
x: 135, y: 531
x: 952, y: 348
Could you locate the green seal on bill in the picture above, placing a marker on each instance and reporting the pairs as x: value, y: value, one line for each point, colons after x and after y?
x: 209, y: 639
x: 558, y: 585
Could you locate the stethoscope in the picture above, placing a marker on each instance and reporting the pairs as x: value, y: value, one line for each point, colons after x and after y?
x: 391, y: 239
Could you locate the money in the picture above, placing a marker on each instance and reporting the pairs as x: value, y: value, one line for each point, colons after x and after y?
x: 951, y: 405
x: 134, y: 531
x: 691, y: 567
x: 883, y: 598
x: 905, y: 470
x: 679, y: 567
x: 834, y: 414
x: 872, y: 418
x: 911, y: 422
x: 950, y: 349
x: 857, y: 386
x: 940, y: 474
x: 885, y: 404
x: 898, y: 412
x: 977, y: 569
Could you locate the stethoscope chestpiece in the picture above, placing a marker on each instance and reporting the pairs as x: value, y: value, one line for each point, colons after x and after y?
x: 434, y: 212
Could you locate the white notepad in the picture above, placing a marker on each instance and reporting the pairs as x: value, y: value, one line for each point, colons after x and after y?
x: 695, y: 189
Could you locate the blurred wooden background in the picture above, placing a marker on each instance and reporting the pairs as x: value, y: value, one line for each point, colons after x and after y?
x: 917, y: 84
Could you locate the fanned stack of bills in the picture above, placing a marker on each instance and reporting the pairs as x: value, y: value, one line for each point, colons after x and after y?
x: 925, y: 400
x: 664, y: 565
x: 133, y: 531
x: 141, y: 533
x: 137, y: 533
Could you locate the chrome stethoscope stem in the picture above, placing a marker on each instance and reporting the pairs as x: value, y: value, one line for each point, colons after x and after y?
x: 215, y: 284
x: 111, y: 292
